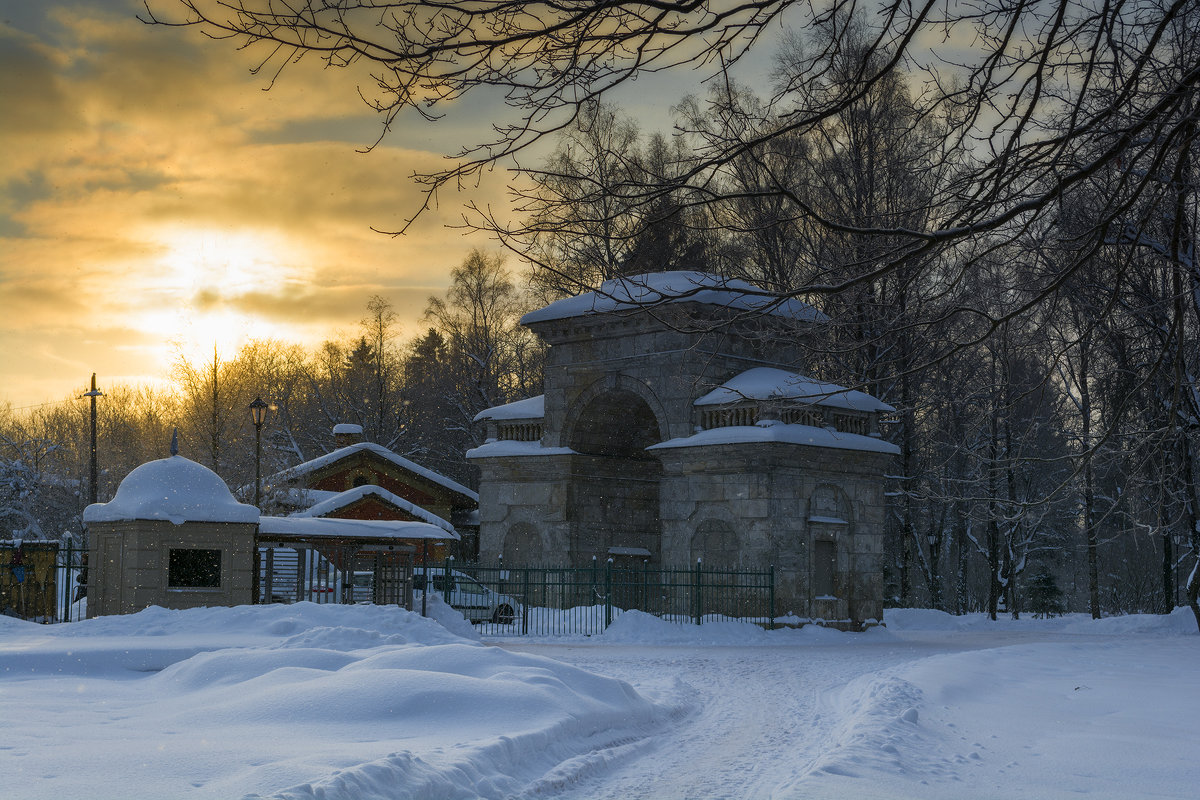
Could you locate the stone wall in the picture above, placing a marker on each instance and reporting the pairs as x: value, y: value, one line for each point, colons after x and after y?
x: 777, y: 500
x: 766, y: 492
x: 130, y: 564
x: 524, y: 493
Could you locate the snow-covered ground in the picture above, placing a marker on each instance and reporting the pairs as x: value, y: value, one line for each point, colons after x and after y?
x: 358, y: 702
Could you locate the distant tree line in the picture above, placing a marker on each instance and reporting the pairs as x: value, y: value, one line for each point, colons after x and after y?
x: 994, y: 201
x: 417, y: 397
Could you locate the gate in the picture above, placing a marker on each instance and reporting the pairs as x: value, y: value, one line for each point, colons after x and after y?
x: 333, y: 574
x: 42, y: 581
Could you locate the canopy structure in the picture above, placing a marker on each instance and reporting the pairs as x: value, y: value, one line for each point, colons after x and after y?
x: 367, y: 531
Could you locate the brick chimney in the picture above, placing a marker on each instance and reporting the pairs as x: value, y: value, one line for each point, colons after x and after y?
x: 346, y: 434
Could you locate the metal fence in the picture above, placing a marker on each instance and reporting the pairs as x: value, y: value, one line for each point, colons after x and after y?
x: 43, y: 581
x: 46, y: 582
x: 565, y: 601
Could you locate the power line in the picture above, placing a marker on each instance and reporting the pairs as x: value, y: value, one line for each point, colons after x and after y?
x: 37, y: 405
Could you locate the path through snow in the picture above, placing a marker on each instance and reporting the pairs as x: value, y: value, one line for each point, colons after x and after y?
x: 994, y: 710
x: 761, y: 718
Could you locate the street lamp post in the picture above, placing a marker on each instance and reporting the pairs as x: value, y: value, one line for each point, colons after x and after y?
x: 258, y: 412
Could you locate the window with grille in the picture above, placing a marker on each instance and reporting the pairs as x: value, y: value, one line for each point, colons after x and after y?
x: 193, y: 569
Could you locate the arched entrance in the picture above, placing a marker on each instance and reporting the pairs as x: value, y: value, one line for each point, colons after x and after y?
x: 614, y: 488
x: 522, y: 545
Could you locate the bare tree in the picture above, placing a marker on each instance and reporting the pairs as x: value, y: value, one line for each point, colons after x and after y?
x: 489, y: 359
x: 1031, y: 87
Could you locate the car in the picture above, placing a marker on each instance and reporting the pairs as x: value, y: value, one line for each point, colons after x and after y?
x: 477, y: 602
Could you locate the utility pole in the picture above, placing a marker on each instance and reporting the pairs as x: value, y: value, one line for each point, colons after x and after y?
x: 94, y: 471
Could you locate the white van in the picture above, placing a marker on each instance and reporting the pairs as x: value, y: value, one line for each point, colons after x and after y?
x: 477, y: 602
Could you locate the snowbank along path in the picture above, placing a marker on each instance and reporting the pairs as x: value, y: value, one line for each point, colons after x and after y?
x: 935, y: 707
x: 367, y: 703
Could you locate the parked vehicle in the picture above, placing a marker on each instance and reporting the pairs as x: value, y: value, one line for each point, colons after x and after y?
x: 477, y: 602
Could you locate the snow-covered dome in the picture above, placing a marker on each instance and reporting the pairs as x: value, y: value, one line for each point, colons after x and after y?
x: 769, y: 383
x: 173, y: 489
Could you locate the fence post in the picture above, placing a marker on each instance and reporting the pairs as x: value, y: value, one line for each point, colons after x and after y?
x: 71, y: 582
x: 67, y: 581
x: 525, y: 601
x: 646, y: 605
x: 771, y: 596
x: 697, y: 599
x: 608, y: 593
x: 446, y: 580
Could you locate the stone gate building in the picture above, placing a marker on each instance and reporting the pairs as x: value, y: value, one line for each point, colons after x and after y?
x: 674, y: 428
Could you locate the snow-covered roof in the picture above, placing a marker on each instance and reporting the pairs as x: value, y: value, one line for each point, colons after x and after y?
x: 529, y: 408
x: 301, y: 498
x: 346, y: 427
x: 344, y: 452
x: 769, y: 383
x: 332, y: 527
x: 173, y: 489
x: 657, y: 288
x: 340, y: 500
x: 507, y: 447
x: 778, y: 432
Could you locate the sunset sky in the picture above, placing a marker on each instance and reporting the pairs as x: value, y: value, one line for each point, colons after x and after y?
x: 155, y: 200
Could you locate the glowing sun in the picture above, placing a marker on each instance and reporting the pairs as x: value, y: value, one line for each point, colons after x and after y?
x: 207, y: 289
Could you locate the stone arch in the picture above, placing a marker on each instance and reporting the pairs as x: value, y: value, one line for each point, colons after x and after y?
x: 616, y: 423
x: 523, y: 545
x: 613, y: 503
x: 615, y: 385
x: 716, y: 543
x: 829, y: 502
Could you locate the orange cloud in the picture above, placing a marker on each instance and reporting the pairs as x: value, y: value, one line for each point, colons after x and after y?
x: 152, y: 192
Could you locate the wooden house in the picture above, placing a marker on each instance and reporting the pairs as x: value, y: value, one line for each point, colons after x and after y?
x: 366, y: 481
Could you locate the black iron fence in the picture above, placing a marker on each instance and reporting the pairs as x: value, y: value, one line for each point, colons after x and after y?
x: 46, y: 581
x: 43, y: 581
x: 564, y: 601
